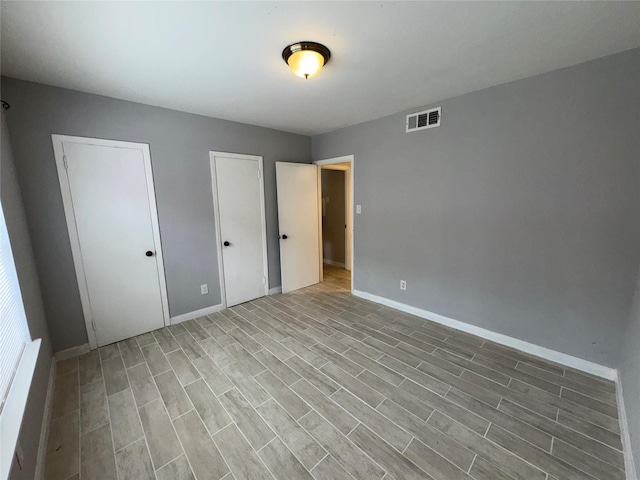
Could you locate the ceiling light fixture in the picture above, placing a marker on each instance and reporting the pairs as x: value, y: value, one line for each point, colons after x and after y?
x: 306, y: 59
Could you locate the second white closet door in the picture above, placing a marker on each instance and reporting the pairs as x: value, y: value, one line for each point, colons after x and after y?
x: 240, y: 206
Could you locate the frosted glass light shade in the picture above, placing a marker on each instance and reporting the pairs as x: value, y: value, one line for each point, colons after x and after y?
x: 306, y: 63
x: 306, y: 59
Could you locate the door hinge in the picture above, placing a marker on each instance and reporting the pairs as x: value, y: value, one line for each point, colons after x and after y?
x: 64, y: 161
x: 259, y: 175
x: 93, y: 325
x: 264, y: 280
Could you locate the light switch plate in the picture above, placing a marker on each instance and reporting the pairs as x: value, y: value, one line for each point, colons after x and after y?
x: 358, y: 209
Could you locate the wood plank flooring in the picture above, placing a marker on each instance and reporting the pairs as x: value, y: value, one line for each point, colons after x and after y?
x: 318, y: 384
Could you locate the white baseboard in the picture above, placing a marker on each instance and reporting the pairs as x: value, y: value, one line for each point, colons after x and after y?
x: 629, y: 464
x: 538, y: 351
x: 71, y: 352
x: 275, y: 290
x: 46, y: 423
x: 331, y: 262
x: 195, y: 314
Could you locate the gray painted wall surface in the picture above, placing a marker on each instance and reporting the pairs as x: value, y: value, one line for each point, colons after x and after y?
x: 180, y: 145
x: 519, y: 214
x: 630, y: 375
x: 13, y: 209
x: 333, y: 230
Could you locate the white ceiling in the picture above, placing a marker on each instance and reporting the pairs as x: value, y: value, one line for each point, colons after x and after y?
x: 223, y: 59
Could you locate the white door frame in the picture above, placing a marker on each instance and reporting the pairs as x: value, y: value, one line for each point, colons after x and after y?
x: 332, y: 161
x: 67, y: 201
x: 216, y: 210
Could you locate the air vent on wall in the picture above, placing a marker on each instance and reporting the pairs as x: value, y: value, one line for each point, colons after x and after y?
x: 423, y: 120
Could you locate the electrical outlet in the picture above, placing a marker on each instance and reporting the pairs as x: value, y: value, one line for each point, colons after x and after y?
x: 403, y: 284
x: 204, y: 289
x: 358, y: 209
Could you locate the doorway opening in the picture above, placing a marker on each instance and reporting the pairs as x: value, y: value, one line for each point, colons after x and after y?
x: 336, y: 222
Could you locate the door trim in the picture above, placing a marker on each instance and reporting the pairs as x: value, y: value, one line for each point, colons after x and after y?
x: 216, y: 211
x: 67, y: 202
x: 332, y: 161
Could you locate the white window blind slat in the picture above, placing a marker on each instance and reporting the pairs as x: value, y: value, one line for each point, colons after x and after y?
x: 14, y: 332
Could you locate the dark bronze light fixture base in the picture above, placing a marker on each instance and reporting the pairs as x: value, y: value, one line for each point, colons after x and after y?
x: 299, y: 46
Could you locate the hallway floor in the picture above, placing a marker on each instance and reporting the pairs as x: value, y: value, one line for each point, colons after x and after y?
x: 336, y: 279
x: 321, y: 384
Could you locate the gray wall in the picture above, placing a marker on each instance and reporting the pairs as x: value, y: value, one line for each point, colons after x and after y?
x: 519, y: 214
x: 180, y: 145
x: 630, y: 374
x: 25, y: 267
x: 333, y: 230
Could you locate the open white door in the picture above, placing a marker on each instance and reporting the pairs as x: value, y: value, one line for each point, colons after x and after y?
x: 298, y: 224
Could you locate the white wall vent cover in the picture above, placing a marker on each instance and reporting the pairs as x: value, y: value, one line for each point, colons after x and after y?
x: 423, y: 120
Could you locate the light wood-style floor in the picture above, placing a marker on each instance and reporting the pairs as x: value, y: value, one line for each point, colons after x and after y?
x: 321, y: 384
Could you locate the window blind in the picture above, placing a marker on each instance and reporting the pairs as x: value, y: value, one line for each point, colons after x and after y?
x: 14, y: 332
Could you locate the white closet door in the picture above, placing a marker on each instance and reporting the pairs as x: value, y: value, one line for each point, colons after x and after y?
x: 298, y: 224
x: 241, y: 212
x: 116, y: 250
